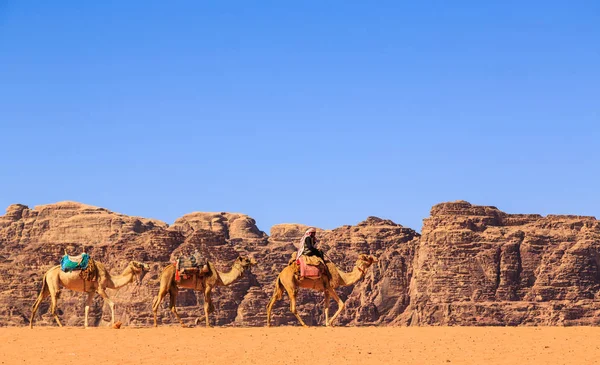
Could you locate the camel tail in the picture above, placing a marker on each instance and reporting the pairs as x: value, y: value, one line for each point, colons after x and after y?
x: 278, y: 293
x: 44, y: 292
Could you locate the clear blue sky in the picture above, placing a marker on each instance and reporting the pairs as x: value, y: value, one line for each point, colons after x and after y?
x: 317, y: 112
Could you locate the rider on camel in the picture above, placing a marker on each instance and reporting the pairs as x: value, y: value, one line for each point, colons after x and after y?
x: 307, y: 246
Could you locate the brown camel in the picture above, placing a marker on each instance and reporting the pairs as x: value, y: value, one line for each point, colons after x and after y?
x: 288, y: 281
x: 55, y: 278
x: 204, y: 283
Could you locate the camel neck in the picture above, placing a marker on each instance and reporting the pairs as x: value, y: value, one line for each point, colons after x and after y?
x: 349, y: 278
x: 116, y: 282
x: 231, y: 276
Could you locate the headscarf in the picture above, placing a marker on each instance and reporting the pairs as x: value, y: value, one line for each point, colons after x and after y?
x: 301, y: 243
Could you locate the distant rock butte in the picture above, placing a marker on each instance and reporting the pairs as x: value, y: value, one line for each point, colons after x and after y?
x: 472, y: 265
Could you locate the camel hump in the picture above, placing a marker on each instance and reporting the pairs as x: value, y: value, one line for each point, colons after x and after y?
x: 90, y: 273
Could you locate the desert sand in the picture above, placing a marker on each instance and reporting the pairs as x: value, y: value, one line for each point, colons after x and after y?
x: 295, y: 345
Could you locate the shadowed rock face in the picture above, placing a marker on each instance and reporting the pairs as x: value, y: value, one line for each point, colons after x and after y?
x: 473, y: 265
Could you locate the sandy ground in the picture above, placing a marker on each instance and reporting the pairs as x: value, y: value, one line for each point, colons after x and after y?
x: 294, y: 345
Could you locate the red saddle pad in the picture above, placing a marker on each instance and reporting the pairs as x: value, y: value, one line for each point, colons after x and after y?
x: 308, y: 271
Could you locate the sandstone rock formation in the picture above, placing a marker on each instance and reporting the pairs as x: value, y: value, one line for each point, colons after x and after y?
x: 480, y: 266
x: 473, y: 265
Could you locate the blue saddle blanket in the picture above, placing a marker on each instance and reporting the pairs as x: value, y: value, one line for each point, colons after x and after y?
x: 67, y: 265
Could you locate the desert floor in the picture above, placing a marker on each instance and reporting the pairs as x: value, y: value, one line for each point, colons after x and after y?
x: 294, y: 345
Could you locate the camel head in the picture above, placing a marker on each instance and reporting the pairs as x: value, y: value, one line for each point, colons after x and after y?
x: 244, y: 262
x: 365, y: 261
x: 139, y: 269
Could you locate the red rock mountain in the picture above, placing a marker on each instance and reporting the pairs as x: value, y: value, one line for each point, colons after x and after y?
x: 473, y: 265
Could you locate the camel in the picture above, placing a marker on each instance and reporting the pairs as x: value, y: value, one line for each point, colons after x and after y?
x: 55, y: 278
x: 204, y: 283
x: 287, y: 280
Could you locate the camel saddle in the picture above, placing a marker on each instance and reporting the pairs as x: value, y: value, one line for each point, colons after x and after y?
x: 311, y: 266
x: 192, y: 265
x: 69, y: 263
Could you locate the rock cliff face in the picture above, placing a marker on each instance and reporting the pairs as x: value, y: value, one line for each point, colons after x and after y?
x: 480, y: 266
x: 33, y: 240
x: 377, y: 299
x: 473, y: 265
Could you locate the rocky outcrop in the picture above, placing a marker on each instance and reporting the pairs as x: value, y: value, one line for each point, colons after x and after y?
x: 380, y: 297
x: 473, y: 265
x: 230, y: 226
x: 478, y: 265
x: 33, y: 240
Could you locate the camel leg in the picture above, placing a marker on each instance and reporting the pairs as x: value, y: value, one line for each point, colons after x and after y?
x: 53, y: 307
x: 208, y: 305
x: 341, y: 306
x: 276, y: 296
x: 36, y: 305
x: 292, y: 290
x: 270, y: 308
x: 88, y: 302
x: 291, y: 287
x: 110, y: 304
x: 326, y: 305
x: 156, y: 303
x: 294, y: 310
x: 53, y: 287
x: 43, y: 295
x: 287, y: 282
x: 172, y: 306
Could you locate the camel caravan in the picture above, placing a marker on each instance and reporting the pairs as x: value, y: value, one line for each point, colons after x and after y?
x: 307, y: 268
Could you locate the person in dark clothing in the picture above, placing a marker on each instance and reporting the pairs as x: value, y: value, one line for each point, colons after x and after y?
x: 308, y: 247
x: 310, y: 244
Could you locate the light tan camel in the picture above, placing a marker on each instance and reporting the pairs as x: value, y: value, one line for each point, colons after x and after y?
x: 288, y: 281
x: 205, y: 283
x: 55, y: 278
